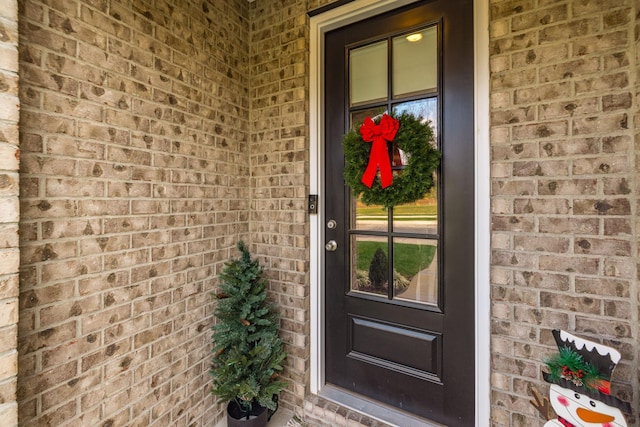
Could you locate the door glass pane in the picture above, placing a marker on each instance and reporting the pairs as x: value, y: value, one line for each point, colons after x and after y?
x: 368, y: 73
x: 420, y: 217
x: 426, y: 108
x: 371, y: 217
x: 413, y: 267
x: 370, y: 265
x: 415, y: 270
x: 415, y: 63
x: 357, y: 117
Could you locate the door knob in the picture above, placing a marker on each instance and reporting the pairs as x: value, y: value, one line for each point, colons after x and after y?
x: 331, y: 246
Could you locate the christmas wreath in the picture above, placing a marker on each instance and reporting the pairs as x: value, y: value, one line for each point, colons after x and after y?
x: 368, y: 168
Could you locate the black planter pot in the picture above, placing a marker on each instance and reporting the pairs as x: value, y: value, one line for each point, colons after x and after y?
x: 237, y: 417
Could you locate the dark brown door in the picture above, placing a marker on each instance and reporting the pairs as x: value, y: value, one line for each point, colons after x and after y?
x: 400, y: 282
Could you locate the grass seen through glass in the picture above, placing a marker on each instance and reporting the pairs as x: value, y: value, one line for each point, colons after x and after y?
x: 408, y: 260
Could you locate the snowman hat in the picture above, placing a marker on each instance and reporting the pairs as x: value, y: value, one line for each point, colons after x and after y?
x: 585, y: 367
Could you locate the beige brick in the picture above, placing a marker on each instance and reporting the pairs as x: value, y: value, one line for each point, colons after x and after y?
x: 539, y: 16
x: 543, y: 55
x: 539, y: 316
x: 575, y: 107
x: 603, y: 83
x: 602, y: 207
x: 9, y: 261
x: 514, y: 151
x: 8, y: 314
x: 597, y: 7
x: 571, y: 147
x: 603, y: 328
x: 619, y: 267
x: 8, y: 364
x: 616, y: 102
x: 569, y: 264
x: 545, y: 93
x: 8, y: 338
x: 581, y: 304
x: 513, y: 187
x: 540, y: 130
x: 9, y: 156
x: 615, y: 144
x: 557, y: 72
x: 542, y: 280
x: 569, y: 30
x: 616, y: 185
x: 566, y: 187
x: 602, y: 247
x: 541, y: 244
x: 588, y: 45
x: 9, y: 414
x: 8, y: 237
x: 516, y: 366
x: 511, y: 79
x: 617, y: 309
x: 520, y: 260
x: 617, y: 227
x: 510, y: 8
x: 9, y: 211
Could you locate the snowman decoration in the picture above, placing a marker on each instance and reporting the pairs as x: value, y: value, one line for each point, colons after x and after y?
x: 580, y: 376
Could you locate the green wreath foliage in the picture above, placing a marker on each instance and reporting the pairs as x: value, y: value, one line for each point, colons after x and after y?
x: 415, y: 138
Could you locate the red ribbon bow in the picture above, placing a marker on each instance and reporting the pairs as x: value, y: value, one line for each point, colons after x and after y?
x: 379, y: 155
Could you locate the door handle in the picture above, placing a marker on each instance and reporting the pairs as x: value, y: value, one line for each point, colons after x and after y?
x: 331, y: 246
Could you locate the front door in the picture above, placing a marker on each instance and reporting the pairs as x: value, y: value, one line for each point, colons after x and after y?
x: 399, y: 282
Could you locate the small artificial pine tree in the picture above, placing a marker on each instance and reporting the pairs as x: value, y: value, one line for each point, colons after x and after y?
x: 248, y: 353
x: 378, y: 269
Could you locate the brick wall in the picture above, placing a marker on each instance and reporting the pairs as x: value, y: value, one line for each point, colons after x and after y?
x: 9, y: 211
x: 279, y: 172
x: 134, y: 191
x: 564, y: 190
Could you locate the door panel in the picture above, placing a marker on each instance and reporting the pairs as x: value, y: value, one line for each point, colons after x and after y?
x: 396, y: 347
x: 407, y: 341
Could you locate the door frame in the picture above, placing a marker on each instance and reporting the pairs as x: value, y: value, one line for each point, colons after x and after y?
x: 346, y: 14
